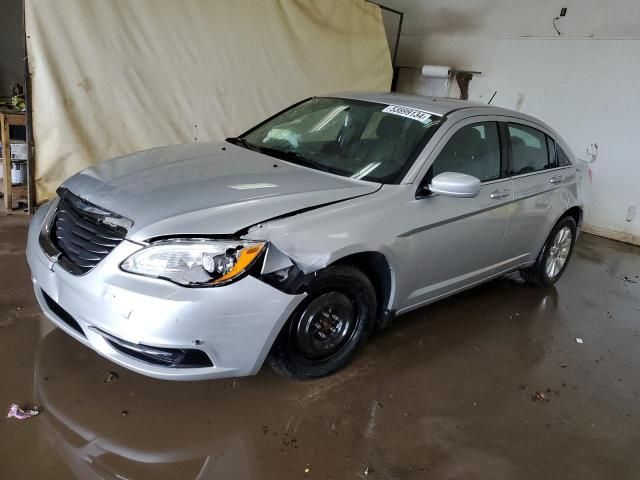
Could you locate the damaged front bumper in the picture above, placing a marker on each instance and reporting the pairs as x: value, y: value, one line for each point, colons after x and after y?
x: 155, y: 327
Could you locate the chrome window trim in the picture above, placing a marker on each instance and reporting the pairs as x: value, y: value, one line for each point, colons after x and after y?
x: 540, y: 172
x: 497, y: 180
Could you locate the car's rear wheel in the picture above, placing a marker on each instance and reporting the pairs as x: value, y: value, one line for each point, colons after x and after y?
x: 555, y: 255
x: 326, y: 330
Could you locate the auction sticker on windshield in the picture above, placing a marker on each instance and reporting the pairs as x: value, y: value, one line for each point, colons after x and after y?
x: 414, y: 113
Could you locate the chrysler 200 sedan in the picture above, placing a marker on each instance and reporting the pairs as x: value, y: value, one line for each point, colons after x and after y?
x: 298, y: 238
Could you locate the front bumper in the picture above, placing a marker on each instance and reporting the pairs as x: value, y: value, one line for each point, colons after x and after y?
x: 234, y: 325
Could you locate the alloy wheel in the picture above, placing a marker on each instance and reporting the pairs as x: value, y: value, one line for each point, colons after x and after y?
x: 559, y: 252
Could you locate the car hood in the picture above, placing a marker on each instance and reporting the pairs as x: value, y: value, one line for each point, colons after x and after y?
x: 205, y: 189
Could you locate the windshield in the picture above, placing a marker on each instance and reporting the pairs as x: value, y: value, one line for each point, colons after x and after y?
x: 352, y: 138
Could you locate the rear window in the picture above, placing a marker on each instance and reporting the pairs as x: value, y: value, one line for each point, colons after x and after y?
x: 563, y: 158
x: 553, y: 157
x: 557, y: 156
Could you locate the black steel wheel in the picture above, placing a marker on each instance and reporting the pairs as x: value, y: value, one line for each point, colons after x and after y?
x: 325, y: 325
x: 325, y: 331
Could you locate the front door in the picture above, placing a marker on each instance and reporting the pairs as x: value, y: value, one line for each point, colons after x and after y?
x: 457, y: 240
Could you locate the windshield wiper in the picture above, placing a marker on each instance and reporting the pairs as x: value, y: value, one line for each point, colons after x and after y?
x: 295, y: 157
x: 287, y: 155
x: 243, y: 143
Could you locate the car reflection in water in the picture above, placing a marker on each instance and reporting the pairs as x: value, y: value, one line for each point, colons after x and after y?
x: 137, y: 428
x: 268, y: 427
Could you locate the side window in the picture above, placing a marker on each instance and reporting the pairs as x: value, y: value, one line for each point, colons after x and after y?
x: 528, y: 150
x: 474, y: 150
x: 551, y: 149
x: 563, y: 158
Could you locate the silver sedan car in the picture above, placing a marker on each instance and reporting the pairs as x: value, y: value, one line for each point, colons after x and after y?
x: 297, y: 239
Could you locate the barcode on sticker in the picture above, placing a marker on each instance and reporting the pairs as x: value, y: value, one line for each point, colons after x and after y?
x: 414, y: 113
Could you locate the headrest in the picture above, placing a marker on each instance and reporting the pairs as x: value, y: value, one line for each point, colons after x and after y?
x: 390, y: 127
x: 468, y: 136
x: 468, y: 142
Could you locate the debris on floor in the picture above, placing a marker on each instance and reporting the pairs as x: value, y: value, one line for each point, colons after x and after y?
x: 17, y: 412
x: 539, y: 396
x: 579, y: 340
x: 111, y: 377
x: 563, y: 365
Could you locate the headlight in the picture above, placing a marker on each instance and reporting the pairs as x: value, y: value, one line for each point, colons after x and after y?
x: 195, y: 262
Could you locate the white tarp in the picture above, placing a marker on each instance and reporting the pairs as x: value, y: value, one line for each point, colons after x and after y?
x: 115, y: 76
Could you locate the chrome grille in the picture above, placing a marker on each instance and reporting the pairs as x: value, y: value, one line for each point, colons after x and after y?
x: 81, y: 235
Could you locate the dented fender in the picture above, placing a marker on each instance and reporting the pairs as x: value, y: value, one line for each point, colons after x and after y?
x: 313, y: 240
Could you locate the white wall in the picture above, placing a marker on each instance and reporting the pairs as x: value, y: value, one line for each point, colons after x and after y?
x: 584, y: 83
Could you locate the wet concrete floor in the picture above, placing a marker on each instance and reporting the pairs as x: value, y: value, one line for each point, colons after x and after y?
x: 448, y: 392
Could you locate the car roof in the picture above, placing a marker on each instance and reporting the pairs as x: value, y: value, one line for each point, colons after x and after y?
x: 444, y: 106
x: 436, y: 105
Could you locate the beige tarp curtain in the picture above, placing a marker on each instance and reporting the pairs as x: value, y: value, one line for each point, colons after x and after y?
x: 115, y: 76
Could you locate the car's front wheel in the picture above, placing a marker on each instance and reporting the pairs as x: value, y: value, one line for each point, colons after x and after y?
x: 555, y: 254
x: 325, y: 331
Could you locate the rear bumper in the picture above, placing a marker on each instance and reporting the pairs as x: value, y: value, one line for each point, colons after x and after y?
x: 234, y: 326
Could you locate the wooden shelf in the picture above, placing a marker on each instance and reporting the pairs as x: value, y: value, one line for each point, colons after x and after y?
x: 12, y: 193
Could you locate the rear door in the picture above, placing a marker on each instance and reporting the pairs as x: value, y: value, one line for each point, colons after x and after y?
x: 539, y: 196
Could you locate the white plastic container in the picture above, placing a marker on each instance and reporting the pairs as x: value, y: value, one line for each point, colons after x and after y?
x: 18, y: 172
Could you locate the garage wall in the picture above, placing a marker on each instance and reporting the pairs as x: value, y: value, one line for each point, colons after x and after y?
x: 583, y: 82
x: 114, y: 77
x: 11, y: 45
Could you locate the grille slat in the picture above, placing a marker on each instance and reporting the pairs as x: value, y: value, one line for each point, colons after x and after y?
x: 83, y: 243
x: 78, y: 251
x: 63, y: 230
x: 81, y: 235
x: 86, y: 223
x: 94, y: 239
x: 96, y: 250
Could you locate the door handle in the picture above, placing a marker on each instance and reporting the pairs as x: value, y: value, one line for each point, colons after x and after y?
x: 501, y: 193
x: 556, y: 179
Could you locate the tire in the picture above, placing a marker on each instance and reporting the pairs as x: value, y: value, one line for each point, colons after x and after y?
x: 328, y: 327
x: 539, y: 273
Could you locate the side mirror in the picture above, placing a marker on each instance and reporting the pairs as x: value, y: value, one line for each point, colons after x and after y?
x: 454, y: 184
